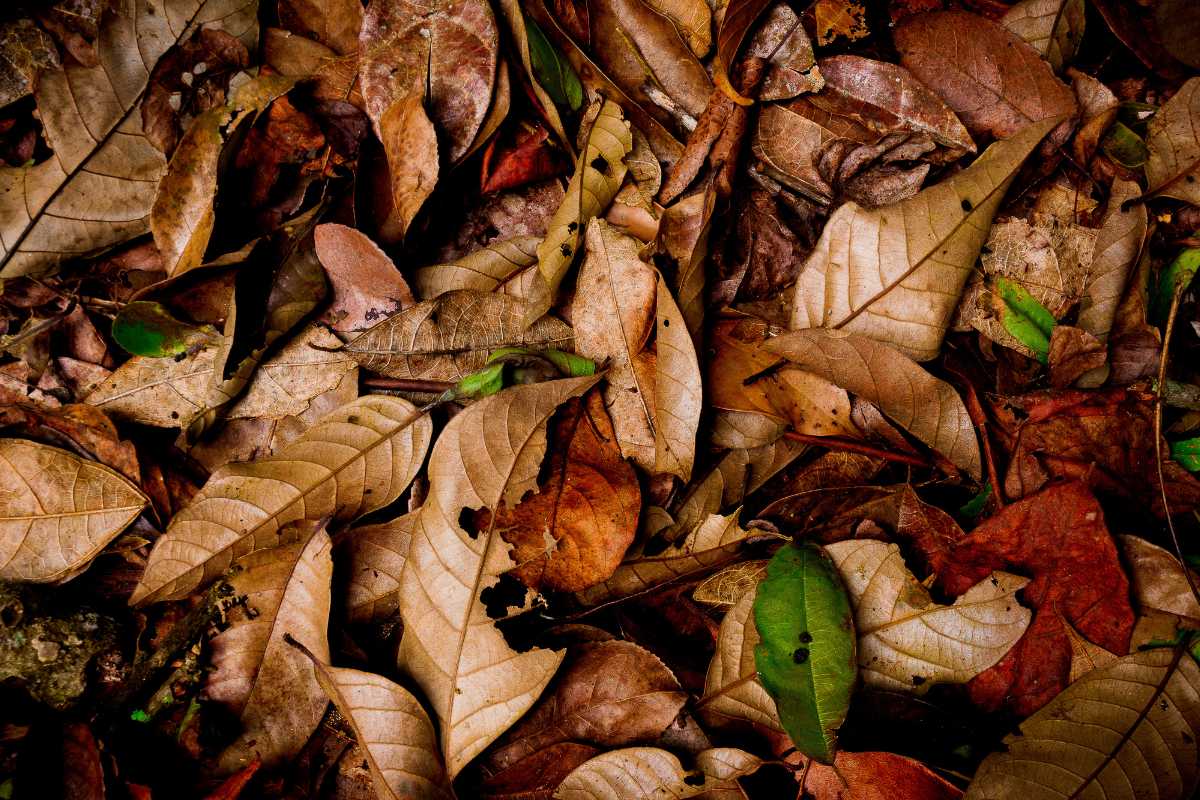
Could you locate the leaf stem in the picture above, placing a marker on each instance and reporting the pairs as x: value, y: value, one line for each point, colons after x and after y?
x: 408, y: 385
x: 851, y: 446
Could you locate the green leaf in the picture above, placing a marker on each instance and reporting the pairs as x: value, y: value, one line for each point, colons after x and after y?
x: 806, y: 658
x: 569, y: 364
x: 145, y: 328
x: 974, y: 507
x: 1026, y: 318
x: 553, y: 72
x: 1179, y: 273
x: 139, y: 715
x: 1124, y: 146
x: 1136, y: 116
x: 1187, y: 453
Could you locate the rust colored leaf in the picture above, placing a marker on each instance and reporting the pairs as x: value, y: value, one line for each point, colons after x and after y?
x: 410, y: 143
x: 367, y: 287
x: 740, y: 16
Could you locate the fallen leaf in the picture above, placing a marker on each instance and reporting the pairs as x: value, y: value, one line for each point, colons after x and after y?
x: 58, y: 511
x: 538, y: 775
x: 609, y: 694
x: 878, y: 273
x: 334, y: 24
x: 478, y: 686
x: 875, y: 776
x: 732, y: 690
x: 996, y: 83
x: 451, y: 336
x: 645, y: 771
x: 1157, y: 580
x: 725, y: 588
x: 900, y: 387
x: 1054, y: 28
x: 357, y: 459
x: 693, y: 18
x: 1073, y: 352
x: 448, y: 50
x: 500, y: 266
x: 145, y: 328
x: 376, y: 555
x: 1175, y: 147
x: 1146, y: 706
x: 783, y: 41
x: 82, y: 770
x: 1058, y: 537
x: 367, y: 287
x: 840, y: 19
x: 740, y: 16
x: 906, y: 641
x: 806, y: 652
x: 410, y: 143
x: 25, y: 51
x: 267, y: 683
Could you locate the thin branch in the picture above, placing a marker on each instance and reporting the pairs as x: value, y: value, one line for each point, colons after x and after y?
x: 851, y: 446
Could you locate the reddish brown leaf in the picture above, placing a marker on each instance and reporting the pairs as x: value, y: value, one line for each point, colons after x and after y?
x: 874, y: 776
x: 536, y: 776
x: 929, y: 531
x: 740, y: 16
x: 529, y: 158
x: 367, y: 287
x: 1073, y: 351
x: 83, y: 775
x: 1057, y: 537
x: 232, y: 788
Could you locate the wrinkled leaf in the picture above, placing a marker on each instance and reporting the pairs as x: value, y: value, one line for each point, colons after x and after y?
x: 732, y: 690
x: 493, y: 268
x: 367, y: 287
x: 650, y: 772
x: 1174, y: 142
x: 411, y: 145
x: 1117, y: 246
x: 1054, y: 28
x: 678, y: 397
x: 147, y: 329
x: 740, y: 16
x: 376, y: 556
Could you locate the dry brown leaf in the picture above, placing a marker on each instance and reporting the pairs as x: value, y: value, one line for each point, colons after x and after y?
x: 515, y: 19
x: 393, y: 733
x: 678, y: 395
x: 411, y: 145
x: 1117, y: 246
x: 996, y: 83
x: 1158, y: 582
x: 478, y: 686
x: 356, y: 460
x: 906, y: 641
x: 448, y: 49
x: 334, y: 23
x: 725, y: 588
x: 25, y: 50
x: 376, y: 556
x: 693, y: 18
x: 1127, y: 730
x: 1174, y: 142
x: 452, y: 335
x: 263, y: 680
x: 652, y: 772
x: 367, y: 287
x: 58, y: 511
x: 500, y: 266
x: 895, y: 274
x: 731, y: 688
x: 782, y: 40
x: 97, y: 188
x: 926, y: 407
x: 1054, y: 28
x: 683, y: 234
x: 610, y: 694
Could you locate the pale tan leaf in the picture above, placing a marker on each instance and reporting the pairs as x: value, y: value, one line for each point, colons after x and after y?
x: 1085, y: 656
x: 613, y: 313
x: 356, y: 460
x: 693, y: 18
x: 678, y: 396
x: 895, y: 273
x: 726, y: 587
x: 485, y: 270
x: 393, y: 732
x: 731, y: 688
x: 927, y: 407
x: 599, y: 173
x: 643, y: 772
x: 410, y: 143
x: 376, y: 556
x: 1123, y: 732
x: 286, y: 383
x: 1159, y: 583
x: 1173, y: 168
x: 478, y: 686
x: 1054, y: 28
x: 452, y: 335
x: 905, y: 639
x: 97, y: 188
x: 744, y: 429
x: 367, y: 287
x: 714, y: 541
x: 267, y: 683
x: 58, y: 511
x: 683, y: 234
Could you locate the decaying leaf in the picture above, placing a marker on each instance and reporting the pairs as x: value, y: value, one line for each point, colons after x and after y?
x: 500, y: 264
x: 678, y: 399
x: 725, y: 588
x: 649, y: 771
x: 367, y: 287
x: 269, y: 684
x: 895, y: 274
x: 1054, y: 28
x: 899, y: 386
x: 355, y: 460
x: 410, y: 142
x: 1126, y: 730
x: 1116, y: 249
x: 731, y: 689
x: 1175, y: 147
x: 452, y: 335
x: 376, y: 556
x: 908, y: 641
x: 478, y: 686
x: 58, y: 511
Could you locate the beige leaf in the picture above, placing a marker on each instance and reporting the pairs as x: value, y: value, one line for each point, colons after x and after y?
x: 1085, y: 656
x: 376, y: 556
x: 58, y: 511
x: 744, y: 429
x: 726, y: 587
x: 1159, y: 583
x: 485, y: 270
x: 97, y: 188
x: 645, y: 772
x: 366, y: 284
x: 599, y: 173
x: 410, y: 142
x: 715, y: 541
x: 478, y: 686
x: 452, y: 335
x: 613, y: 314
x: 393, y: 732
x: 1174, y: 141
x: 356, y: 460
x: 731, y: 688
x: 683, y: 234
x: 895, y: 273
x: 1127, y: 730
x: 286, y: 383
x: 269, y: 684
x: 678, y: 397
x: 1052, y: 27
x: 928, y: 408
x: 905, y: 639
x: 693, y: 18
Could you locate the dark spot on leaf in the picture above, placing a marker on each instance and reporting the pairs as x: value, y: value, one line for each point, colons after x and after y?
x: 600, y: 164
x: 966, y: 205
x: 918, y: 680
x: 805, y: 637
x: 352, y: 419
x: 666, y: 323
x: 566, y: 250
x: 800, y: 655
x: 572, y: 227
x: 694, y: 779
x: 1190, y: 178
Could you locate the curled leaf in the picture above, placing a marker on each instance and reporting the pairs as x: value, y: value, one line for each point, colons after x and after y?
x: 145, y: 328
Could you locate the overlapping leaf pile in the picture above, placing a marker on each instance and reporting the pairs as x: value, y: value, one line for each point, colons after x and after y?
x: 599, y: 399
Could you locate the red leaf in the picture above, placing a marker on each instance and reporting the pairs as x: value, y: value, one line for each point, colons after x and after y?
x: 235, y: 783
x: 531, y: 158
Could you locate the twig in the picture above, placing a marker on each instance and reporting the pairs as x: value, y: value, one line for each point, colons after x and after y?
x: 408, y: 385
x: 851, y: 446
x: 979, y: 419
